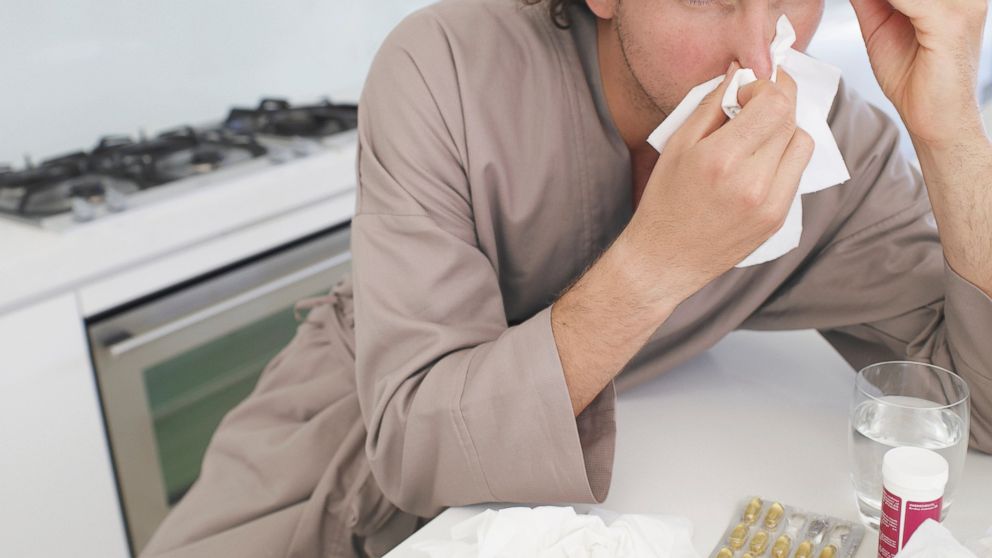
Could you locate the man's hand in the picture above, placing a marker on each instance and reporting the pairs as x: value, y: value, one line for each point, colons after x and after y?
x: 719, y: 188
x: 925, y: 57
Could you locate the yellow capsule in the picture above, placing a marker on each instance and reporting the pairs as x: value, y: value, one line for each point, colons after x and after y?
x: 737, y: 536
x: 725, y: 553
x: 774, y: 515
x: 804, y: 550
x: 752, y: 510
x: 748, y: 555
x: 759, y: 542
x: 828, y: 551
x: 781, y: 547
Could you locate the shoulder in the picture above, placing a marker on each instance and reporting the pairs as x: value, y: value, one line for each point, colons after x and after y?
x: 445, y: 70
x: 470, y: 66
x: 473, y: 22
x: 465, y: 29
x: 472, y: 44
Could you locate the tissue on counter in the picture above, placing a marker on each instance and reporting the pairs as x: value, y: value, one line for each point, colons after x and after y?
x: 982, y: 548
x: 817, y: 84
x: 933, y: 540
x: 559, y: 532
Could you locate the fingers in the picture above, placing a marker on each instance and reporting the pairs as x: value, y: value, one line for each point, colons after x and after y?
x: 794, y: 161
x: 767, y: 120
x: 776, y: 142
x: 784, y: 81
x: 708, y: 116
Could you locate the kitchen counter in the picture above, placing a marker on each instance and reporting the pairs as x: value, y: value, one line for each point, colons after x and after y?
x: 761, y: 413
x: 198, y: 227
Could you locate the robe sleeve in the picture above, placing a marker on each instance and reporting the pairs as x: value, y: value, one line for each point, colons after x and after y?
x: 878, y: 286
x: 461, y: 407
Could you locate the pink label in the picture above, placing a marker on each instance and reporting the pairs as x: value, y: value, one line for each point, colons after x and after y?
x: 897, y: 524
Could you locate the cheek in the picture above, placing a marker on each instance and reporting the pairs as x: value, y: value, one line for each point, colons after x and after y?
x: 690, y: 61
x: 672, y: 58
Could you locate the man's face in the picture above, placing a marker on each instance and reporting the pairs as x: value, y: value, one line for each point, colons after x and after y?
x: 670, y: 46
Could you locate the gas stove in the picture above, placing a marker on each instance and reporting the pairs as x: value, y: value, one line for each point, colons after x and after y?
x: 276, y: 117
x: 121, y: 172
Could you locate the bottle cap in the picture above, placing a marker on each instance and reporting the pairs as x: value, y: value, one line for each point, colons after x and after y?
x: 914, y: 468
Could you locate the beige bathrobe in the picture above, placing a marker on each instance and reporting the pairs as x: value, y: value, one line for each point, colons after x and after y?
x: 490, y: 175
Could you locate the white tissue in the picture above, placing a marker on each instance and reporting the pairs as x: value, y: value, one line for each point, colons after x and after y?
x: 983, y: 546
x: 933, y: 540
x: 558, y: 532
x: 817, y: 84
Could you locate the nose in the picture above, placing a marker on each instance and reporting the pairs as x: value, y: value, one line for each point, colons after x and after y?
x: 755, y: 31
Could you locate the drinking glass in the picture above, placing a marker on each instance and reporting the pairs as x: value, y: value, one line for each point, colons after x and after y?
x: 903, y: 403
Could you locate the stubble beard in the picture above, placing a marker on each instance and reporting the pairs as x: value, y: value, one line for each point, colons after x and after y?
x: 634, y: 85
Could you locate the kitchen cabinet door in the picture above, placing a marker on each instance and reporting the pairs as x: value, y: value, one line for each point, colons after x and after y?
x: 57, y: 490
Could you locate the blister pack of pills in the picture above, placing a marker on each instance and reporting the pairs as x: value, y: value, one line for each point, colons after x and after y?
x: 766, y: 528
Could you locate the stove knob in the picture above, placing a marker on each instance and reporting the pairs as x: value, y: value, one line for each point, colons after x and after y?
x: 303, y: 147
x: 115, y: 200
x: 279, y: 155
x: 82, y: 210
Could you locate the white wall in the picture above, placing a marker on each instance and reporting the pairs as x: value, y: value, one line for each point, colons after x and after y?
x: 73, y: 70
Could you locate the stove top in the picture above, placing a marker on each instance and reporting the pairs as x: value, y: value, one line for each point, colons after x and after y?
x: 55, y: 185
x: 174, y: 155
x: 278, y: 118
x: 86, y: 185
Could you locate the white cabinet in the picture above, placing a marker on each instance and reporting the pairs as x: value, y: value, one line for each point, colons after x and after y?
x: 57, y: 489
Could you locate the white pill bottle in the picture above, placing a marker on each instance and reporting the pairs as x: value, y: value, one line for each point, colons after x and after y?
x: 913, y: 481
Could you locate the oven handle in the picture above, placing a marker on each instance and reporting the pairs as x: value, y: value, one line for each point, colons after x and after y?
x: 150, y: 336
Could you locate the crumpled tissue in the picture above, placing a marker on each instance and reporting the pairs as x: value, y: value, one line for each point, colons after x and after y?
x: 558, y: 532
x: 983, y: 546
x: 817, y: 84
x: 933, y: 540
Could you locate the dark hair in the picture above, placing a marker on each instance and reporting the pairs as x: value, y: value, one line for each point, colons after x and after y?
x: 557, y: 10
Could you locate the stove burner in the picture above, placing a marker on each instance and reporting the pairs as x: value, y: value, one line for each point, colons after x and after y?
x: 175, y: 154
x: 277, y: 117
x: 90, y: 189
x: 206, y: 156
x: 49, y: 188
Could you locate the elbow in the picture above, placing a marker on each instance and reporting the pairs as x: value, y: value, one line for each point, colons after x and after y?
x: 422, y: 466
x: 411, y: 488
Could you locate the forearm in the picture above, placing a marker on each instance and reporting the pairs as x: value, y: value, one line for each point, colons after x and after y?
x: 605, y: 317
x: 959, y: 183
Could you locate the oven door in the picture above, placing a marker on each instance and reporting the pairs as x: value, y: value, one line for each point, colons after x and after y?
x: 170, y: 368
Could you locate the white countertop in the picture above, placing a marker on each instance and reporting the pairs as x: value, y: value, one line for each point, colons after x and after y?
x: 285, y: 201
x: 761, y: 413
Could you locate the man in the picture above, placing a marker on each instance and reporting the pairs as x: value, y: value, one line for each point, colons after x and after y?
x: 520, y: 252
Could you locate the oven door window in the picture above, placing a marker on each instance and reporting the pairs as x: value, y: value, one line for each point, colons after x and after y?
x: 189, y: 394
x: 169, y: 369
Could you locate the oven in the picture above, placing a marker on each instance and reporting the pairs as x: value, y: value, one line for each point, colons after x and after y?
x: 171, y: 365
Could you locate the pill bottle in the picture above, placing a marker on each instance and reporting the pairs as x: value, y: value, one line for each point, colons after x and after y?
x: 913, y: 481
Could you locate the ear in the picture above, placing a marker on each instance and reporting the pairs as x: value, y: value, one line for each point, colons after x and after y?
x: 604, y: 9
